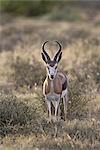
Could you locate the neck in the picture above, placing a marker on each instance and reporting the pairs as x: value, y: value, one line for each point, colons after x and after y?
x: 51, y: 83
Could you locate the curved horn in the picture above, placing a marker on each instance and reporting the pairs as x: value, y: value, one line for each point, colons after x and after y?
x: 55, y: 58
x: 45, y: 51
x: 59, y: 45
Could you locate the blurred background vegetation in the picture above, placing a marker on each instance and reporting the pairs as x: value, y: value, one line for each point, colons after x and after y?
x: 26, y: 8
x: 41, y: 7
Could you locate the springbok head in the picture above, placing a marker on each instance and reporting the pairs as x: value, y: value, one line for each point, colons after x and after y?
x: 51, y: 64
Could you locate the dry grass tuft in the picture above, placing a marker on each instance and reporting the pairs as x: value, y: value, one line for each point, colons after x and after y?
x: 26, y: 74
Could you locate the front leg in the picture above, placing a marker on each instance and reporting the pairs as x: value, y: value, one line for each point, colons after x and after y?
x: 49, y: 110
x: 57, y: 109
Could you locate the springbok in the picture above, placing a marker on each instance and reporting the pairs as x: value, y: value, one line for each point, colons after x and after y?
x: 55, y: 85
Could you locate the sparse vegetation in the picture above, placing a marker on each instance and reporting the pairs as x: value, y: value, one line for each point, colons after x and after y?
x: 23, y: 112
x: 26, y: 74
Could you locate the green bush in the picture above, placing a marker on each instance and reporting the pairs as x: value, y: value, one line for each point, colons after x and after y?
x: 25, y: 7
x: 16, y: 115
x: 80, y: 95
x: 84, y: 87
x: 13, y: 111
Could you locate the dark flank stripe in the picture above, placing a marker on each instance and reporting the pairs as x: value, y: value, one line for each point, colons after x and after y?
x: 64, y: 86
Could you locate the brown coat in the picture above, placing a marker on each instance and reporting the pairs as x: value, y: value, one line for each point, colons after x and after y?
x: 58, y: 83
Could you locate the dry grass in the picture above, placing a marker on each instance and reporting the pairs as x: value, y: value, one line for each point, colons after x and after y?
x: 22, y: 108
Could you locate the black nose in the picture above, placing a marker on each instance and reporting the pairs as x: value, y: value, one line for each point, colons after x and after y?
x: 52, y: 76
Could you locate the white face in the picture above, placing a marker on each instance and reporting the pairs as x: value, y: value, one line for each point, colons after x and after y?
x: 51, y: 71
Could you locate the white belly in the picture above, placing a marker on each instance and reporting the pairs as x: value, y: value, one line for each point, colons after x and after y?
x: 53, y: 96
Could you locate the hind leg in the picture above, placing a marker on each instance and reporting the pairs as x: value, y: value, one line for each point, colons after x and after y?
x: 59, y: 112
x: 65, y: 99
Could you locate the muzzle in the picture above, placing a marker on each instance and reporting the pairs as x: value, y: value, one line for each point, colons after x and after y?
x: 52, y: 77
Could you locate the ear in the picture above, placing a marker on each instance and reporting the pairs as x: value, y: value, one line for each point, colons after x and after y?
x: 59, y: 57
x: 44, y: 58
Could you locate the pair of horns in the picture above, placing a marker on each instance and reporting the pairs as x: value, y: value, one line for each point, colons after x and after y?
x: 59, y: 50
